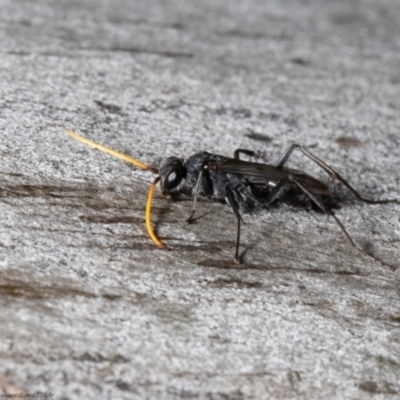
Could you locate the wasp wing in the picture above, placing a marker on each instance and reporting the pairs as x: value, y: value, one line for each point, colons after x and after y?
x: 265, y: 174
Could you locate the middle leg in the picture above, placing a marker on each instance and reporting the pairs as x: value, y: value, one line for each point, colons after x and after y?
x: 232, y: 201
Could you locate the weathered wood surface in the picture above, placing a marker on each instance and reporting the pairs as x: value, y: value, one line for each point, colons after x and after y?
x: 90, y: 308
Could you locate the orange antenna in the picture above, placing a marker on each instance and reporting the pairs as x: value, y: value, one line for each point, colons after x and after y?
x: 110, y: 151
x: 134, y: 162
x: 148, y: 215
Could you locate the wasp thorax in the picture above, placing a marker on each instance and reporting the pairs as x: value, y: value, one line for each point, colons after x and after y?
x: 172, y: 173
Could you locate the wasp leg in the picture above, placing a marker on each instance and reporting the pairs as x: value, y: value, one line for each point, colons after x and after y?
x: 230, y: 197
x: 332, y: 173
x: 290, y: 180
x: 237, y: 152
x: 252, y: 154
x: 204, y: 178
x: 285, y: 155
x: 327, y: 210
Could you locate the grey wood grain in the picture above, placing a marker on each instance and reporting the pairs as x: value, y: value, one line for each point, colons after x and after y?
x: 90, y: 307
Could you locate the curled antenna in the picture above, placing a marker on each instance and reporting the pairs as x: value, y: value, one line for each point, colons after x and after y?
x: 137, y: 164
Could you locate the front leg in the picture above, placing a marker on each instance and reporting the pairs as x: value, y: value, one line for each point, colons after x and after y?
x: 205, y: 180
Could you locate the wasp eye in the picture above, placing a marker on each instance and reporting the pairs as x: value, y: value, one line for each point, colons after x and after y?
x: 173, y: 179
x: 172, y: 173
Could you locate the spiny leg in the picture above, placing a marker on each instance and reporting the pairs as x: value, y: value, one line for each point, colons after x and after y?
x: 252, y: 154
x: 203, y: 178
x: 195, y: 194
x: 285, y: 155
x: 329, y: 212
x: 237, y: 152
x: 292, y: 179
x: 289, y: 180
x: 235, y: 207
x: 332, y: 173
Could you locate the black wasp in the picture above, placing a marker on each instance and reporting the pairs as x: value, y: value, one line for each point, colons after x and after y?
x: 243, y: 185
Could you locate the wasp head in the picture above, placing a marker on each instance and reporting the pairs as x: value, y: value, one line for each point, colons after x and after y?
x: 172, y: 173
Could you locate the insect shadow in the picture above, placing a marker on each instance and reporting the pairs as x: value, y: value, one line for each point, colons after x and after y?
x: 243, y: 185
